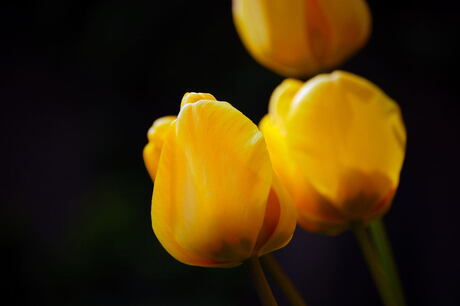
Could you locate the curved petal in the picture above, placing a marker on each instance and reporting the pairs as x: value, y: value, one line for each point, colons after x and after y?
x: 301, y: 37
x: 163, y: 214
x: 265, y: 26
x: 281, y: 99
x: 156, y: 136
x: 279, y: 222
x: 350, y: 128
x: 192, y: 97
x: 211, y: 187
x: 347, y: 26
x: 314, y: 212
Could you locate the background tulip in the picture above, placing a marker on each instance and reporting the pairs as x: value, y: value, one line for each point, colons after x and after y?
x: 302, y: 37
x: 215, y: 200
x: 337, y: 142
x: 156, y: 136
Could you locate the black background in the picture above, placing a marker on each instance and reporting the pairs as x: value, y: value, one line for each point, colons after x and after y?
x: 82, y: 81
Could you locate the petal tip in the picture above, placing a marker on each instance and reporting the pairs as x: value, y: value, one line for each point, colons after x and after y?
x: 192, y: 97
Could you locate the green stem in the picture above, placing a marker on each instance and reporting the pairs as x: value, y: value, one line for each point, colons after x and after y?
x: 383, y: 246
x: 262, y: 286
x: 283, y: 281
x: 378, y: 274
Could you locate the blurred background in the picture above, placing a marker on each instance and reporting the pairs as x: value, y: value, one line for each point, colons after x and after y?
x: 82, y: 81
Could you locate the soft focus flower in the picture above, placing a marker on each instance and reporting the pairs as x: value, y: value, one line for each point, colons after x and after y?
x: 156, y: 136
x: 337, y: 143
x: 215, y: 200
x: 302, y: 37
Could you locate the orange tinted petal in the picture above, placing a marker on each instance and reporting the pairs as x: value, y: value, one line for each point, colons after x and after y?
x: 279, y: 222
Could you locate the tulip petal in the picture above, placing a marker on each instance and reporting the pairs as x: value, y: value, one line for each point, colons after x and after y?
x: 314, y: 211
x: 281, y: 99
x: 192, y: 97
x: 279, y: 222
x: 350, y: 129
x: 156, y: 136
x: 302, y: 37
x: 342, y: 28
x: 212, y: 185
x: 265, y: 25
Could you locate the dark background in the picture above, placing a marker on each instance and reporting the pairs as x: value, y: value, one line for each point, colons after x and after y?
x: 82, y: 81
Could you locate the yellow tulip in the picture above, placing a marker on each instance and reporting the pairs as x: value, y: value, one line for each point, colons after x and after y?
x: 337, y: 143
x: 298, y: 38
x: 215, y: 202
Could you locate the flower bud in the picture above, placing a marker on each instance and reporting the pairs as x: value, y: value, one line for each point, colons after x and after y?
x: 216, y: 201
x: 337, y: 142
x: 297, y: 38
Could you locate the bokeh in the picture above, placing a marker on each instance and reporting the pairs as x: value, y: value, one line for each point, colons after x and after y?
x: 82, y: 81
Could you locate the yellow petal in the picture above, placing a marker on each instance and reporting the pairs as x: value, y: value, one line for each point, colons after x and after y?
x: 315, y: 213
x: 212, y: 185
x: 341, y: 126
x: 301, y: 37
x: 192, y: 97
x: 281, y: 99
x: 275, y: 34
x: 279, y: 221
x: 343, y: 27
x: 156, y: 136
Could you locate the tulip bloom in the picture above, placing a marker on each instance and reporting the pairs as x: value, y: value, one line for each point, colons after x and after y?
x: 215, y: 200
x: 298, y: 38
x: 337, y: 142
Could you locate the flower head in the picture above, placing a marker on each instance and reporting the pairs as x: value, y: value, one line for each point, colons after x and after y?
x: 216, y: 201
x: 298, y: 38
x: 337, y: 143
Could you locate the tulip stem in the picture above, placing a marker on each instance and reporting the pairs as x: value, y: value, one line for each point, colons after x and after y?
x: 263, y: 288
x: 380, y: 278
x: 283, y: 281
x: 383, y: 246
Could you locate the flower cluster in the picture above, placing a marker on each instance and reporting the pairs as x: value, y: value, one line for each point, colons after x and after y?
x: 326, y: 156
